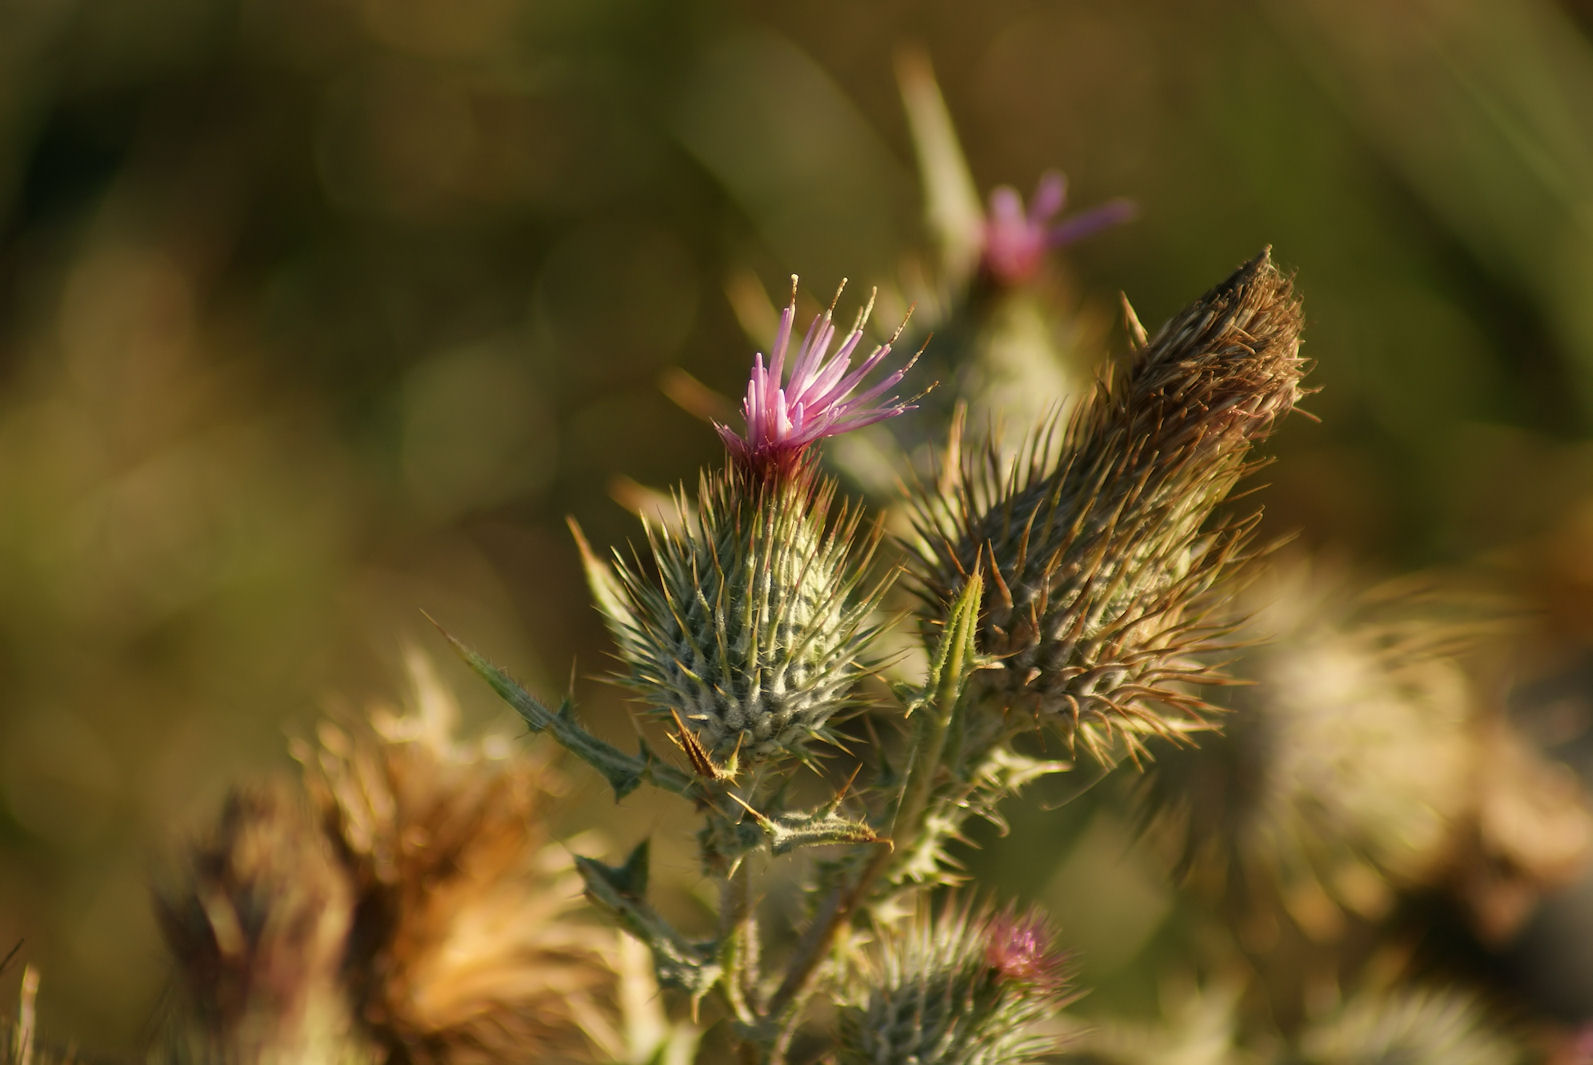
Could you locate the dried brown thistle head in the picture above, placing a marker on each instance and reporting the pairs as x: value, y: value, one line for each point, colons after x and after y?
x: 414, y: 911
x: 257, y: 922
x: 1097, y: 545
x: 467, y: 944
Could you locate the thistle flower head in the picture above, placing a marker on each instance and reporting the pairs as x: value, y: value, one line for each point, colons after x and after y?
x: 1361, y: 760
x: 468, y: 945
x: 800, y: 397
x: 413, y: 910
x: 1018, y: 949
x: 752, y: 622
x: 960, y: 988
x: 257, y: 923
x: 1016, y: 241
x: 1095, y: 548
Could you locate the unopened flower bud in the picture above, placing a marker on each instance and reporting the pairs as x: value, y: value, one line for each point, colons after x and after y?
x: 1096, y: 552
x: 750, y: 625
x: 961, y: 988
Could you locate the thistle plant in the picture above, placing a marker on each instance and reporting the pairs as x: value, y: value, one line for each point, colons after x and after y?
x: 1068, y: 595
x: 402, y: 903
x: 1099, y: 551
x: 259, y: 918
x: 838, y: 705
x: 1344, y: 771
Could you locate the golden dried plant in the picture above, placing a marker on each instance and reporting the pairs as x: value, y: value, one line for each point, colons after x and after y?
x: 467, y: 945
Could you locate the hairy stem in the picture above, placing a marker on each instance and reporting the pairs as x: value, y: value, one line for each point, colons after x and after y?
x: 947, y: 682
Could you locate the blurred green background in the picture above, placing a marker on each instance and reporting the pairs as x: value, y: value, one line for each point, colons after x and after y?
x: 316, y: 313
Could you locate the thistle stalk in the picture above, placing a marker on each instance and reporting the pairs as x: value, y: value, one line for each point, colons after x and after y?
x: 943, y: 697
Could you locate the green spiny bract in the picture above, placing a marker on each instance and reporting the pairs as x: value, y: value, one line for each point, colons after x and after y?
x: 1098, y: 548
x: 957, y: 989
x: 752, y: 626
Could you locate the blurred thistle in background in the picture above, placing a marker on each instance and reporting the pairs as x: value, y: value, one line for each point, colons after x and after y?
x: 317, y: 312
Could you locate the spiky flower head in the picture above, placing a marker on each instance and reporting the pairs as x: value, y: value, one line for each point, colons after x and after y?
x: 1096, y: 550
x: 1016, y: 241
x: 800, y: 397
x: 1344, y: 771
x: 751, y: 623
x: 469, y: 944
x: 964, y: 987
x: 1018, y: 948
x: 414, y: 910
x: 1362, y: 761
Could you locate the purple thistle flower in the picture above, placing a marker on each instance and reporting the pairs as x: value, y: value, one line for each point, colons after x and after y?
x: 822, y: 396
x: 1018, y: 949
x: 1015, y: 242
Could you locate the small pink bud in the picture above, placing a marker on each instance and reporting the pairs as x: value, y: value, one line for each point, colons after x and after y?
x: 1018, y: 949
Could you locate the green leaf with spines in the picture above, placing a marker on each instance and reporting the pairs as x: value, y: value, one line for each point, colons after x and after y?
x: 678, y: 962
x: 625, y: 773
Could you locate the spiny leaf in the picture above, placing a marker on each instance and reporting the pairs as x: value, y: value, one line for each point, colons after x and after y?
x: 789, y: 831
x: 679, y: 963
x: 624, y: 772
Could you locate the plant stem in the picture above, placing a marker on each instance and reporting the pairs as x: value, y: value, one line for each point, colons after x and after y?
x: 734, y: 925
x: 928, y: 750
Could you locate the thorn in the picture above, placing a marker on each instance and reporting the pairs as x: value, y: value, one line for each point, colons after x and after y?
x: 839, y: 795
x: 1137, y: 337
x: 756, y: 816
x: 701, y: 762
x: 951, y: 465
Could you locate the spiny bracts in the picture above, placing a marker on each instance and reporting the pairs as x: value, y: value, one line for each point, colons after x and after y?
x: 752, y: 619
x: 1097, y: 543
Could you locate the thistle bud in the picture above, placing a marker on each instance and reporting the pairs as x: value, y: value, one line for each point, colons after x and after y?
x: 962, y: 988
x: 1362, y: 761
x: 1096, y: 549
x: 754, y: 628
x: 751, y: 626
